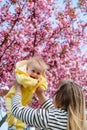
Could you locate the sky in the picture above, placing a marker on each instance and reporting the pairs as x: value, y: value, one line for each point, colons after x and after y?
x: 5, y: 125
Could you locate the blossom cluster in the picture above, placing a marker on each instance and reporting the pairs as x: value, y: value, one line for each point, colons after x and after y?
x: 44, y: 28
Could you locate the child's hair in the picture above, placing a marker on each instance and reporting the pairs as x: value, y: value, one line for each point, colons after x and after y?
x: 40, y: 61
x: 69, y: 96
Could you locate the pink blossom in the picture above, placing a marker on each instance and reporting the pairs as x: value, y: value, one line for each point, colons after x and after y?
x: 30, y: 30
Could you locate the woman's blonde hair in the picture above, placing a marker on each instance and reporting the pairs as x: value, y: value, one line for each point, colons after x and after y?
x: 69, y: 96
x: 40, y: 61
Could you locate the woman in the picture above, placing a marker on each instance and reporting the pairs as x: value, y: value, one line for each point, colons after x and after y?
x: 67, y: 112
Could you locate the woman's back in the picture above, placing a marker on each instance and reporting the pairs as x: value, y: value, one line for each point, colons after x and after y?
x: 67, y: 113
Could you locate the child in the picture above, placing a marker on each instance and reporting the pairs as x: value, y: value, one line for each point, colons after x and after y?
x: 30, y: 74
x: 66, y: 112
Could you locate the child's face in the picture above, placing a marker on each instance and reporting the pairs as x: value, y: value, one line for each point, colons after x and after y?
x: 34, y: 70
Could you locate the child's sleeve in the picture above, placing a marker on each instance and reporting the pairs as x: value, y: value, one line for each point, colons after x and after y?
x: 43, y: 83
x: 26, y: 81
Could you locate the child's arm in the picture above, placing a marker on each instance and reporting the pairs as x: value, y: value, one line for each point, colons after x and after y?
x: 43, y: 83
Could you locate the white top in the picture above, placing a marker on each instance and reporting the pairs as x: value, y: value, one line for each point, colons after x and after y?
x: 49, y: 117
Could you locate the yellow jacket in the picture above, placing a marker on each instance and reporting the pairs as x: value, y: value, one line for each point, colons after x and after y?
x: 29, y: 86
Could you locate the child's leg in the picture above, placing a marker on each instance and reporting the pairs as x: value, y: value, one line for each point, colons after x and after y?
x: 20, y: 125
x: 11, y: 120
x: 14, y: 124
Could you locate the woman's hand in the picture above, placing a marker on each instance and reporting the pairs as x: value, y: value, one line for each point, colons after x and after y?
x: 18, y: 87
x: 41, y: 94
x: 39, y: 91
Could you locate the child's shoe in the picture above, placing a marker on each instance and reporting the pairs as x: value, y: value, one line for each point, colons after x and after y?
x: 12, y: 128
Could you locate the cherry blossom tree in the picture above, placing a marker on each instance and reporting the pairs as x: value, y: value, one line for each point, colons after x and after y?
x: 46, y: 28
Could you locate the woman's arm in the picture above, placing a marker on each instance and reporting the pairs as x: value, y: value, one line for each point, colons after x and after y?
x: 46, y: 103
x: 18, y: 87
x: 39, y: 92
x: 41, y: 95
x: 35, y: 117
